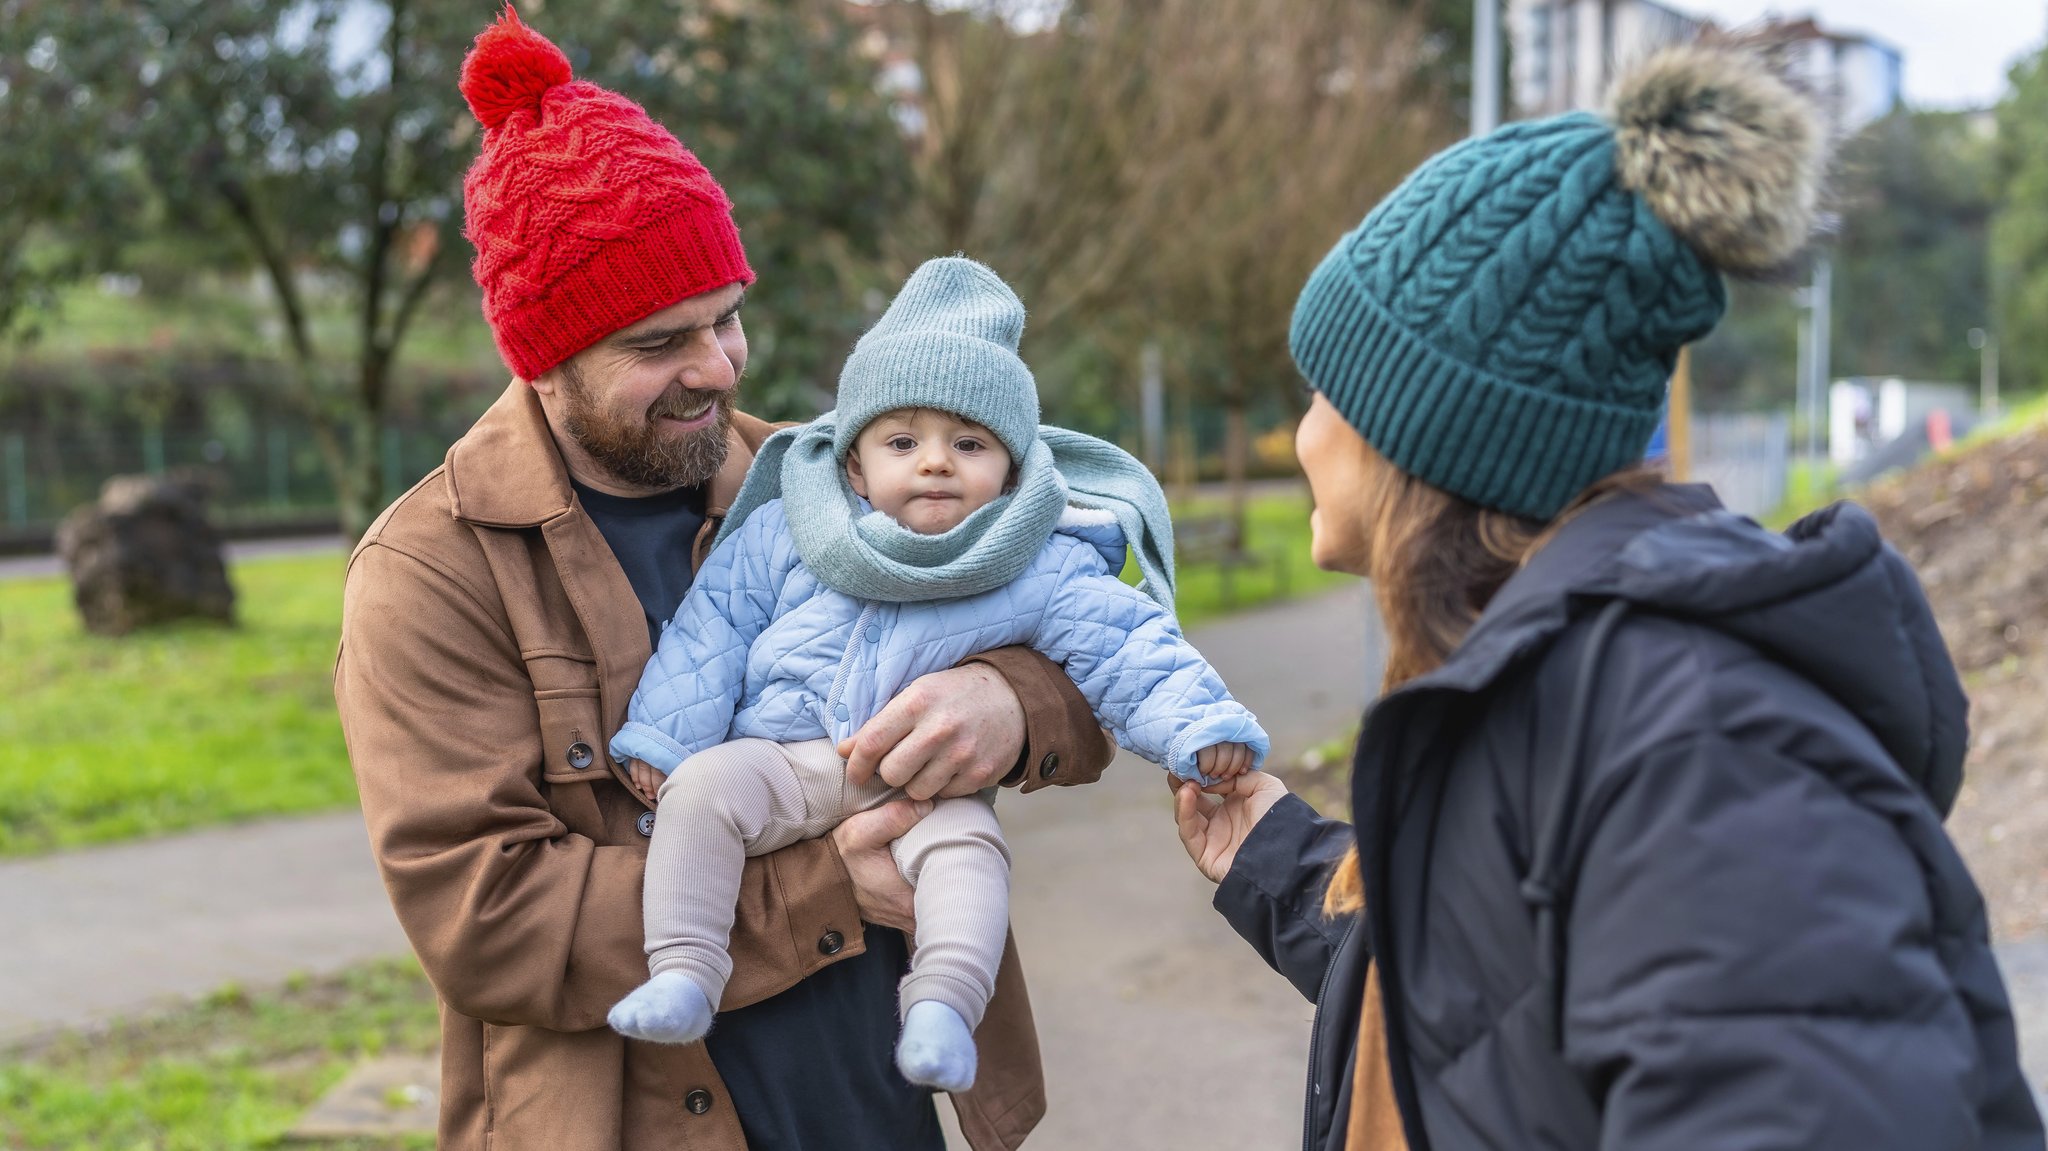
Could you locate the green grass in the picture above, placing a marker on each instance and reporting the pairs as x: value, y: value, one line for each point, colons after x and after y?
x: 112, y: 739
x: 106, y: 739
x: 220, y: 314
x: 1277, y: 535
x: 2021, y: 413
x: 233, y: 1072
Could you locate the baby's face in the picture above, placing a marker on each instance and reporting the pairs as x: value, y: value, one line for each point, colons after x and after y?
x: 925, y: 469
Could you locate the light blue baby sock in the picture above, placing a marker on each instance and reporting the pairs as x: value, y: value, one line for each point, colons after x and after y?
x: 937, y: 1049
x: 669, y: 1008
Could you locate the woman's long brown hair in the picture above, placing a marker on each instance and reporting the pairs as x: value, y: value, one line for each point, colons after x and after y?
x: 1435, y: 561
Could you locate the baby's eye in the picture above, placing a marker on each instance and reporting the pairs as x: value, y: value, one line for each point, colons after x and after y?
x: 902, y: 443
x: 967, y: 445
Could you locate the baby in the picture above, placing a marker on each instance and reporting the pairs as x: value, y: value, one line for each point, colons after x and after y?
x: 927, y: 519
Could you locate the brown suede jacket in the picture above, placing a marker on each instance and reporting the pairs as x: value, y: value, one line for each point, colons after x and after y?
x: 489, y: 645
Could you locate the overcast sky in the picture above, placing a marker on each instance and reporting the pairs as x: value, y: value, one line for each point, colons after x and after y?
x: 1956, y: 51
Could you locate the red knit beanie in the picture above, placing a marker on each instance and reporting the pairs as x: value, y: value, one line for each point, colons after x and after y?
x: 586, y: 215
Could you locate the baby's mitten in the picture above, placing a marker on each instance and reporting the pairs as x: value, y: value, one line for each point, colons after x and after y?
x: 669, y: 1008
x: 937, y: 1049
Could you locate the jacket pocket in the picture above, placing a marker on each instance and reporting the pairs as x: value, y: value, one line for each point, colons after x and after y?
x: 573, y: 756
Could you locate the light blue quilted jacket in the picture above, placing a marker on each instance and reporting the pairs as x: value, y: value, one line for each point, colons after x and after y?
x: 760, y: 648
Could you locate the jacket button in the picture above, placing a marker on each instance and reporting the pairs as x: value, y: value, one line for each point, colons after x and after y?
x: 580, y: 756
x: 831, y: 943
x: 697, y: 1102
x: 1048, y: 765
x: 874, y: 635
x: 841, y: 713
x: 646, y: 823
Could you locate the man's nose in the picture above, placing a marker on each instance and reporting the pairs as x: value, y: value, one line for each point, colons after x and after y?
x: 708, y: 368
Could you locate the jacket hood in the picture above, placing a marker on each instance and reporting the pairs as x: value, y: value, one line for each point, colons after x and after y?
x: 1828, y: 599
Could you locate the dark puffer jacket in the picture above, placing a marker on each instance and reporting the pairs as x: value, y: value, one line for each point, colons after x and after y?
x: 1764, y: 938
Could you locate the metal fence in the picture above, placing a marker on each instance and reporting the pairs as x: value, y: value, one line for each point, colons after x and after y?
x: 1747, y: 458
x: 258, y: 474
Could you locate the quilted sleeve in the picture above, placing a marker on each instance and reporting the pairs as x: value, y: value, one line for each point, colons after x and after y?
x: 1149, y: 686
x: 691, y: 686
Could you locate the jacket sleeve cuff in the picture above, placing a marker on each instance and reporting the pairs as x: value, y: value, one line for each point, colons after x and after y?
x: 648, y: 745
x: 1273, y: 895
x: 1063, y: 743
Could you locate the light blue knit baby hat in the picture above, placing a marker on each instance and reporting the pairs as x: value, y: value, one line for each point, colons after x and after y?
x: 948, y: 341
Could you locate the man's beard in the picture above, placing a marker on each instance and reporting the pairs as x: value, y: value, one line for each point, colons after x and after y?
x: 635, y: 451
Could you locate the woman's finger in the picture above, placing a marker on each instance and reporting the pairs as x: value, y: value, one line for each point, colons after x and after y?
x: 1190, y: 815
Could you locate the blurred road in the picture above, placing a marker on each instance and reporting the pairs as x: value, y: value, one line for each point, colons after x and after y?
x: 25, y: 567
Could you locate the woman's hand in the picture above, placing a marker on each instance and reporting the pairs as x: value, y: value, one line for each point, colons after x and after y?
x: 1211, y: 830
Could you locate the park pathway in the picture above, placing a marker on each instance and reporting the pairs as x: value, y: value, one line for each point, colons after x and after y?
x: 1159, y: 1028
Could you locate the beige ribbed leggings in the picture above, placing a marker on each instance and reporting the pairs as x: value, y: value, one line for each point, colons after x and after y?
x: 753, y: 796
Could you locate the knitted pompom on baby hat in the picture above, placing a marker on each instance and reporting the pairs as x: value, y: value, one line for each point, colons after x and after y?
x: 1504, y: 324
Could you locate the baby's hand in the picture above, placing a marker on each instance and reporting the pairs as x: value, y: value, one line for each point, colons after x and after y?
x: 1223, y: 761
x: 646, y: 780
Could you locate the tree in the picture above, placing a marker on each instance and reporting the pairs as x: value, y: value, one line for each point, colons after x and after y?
x: 328, y: 137
x: 1034, y: 145
x: 62, y: 169
x: 2019, y: 232
x: 1164, y: 170
x: 1911, y: 266
x: 1287, y: 139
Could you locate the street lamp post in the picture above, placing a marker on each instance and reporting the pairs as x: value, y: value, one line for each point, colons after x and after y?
x: 1485, y: 66
x: 1987, y: 372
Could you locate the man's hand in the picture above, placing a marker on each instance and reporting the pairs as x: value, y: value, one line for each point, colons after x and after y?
x: 863, y: 841
x: 950, y: 733
x: 1212, y: 832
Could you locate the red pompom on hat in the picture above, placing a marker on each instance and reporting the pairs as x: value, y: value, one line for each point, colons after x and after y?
x: 509, y: 70
x: 586, y: 215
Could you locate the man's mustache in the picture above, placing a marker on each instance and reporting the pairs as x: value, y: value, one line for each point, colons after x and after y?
x: 683, y: 403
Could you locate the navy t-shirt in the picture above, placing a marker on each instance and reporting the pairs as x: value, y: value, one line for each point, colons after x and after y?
x: 812, y: 1069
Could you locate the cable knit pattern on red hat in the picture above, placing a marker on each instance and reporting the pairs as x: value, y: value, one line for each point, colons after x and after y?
x: 586, y: 215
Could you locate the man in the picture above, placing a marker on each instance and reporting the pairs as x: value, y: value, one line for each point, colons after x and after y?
x: 495, y: 622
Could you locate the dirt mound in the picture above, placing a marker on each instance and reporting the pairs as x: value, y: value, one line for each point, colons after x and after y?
x: 1976, y: 528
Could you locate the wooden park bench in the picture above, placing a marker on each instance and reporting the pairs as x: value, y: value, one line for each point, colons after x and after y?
x: 1214, y: 541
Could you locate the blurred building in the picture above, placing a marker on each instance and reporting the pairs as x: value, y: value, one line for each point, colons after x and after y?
x: 1567, y: 52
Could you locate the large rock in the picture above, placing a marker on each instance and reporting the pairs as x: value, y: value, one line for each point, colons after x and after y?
x: 145, y: 554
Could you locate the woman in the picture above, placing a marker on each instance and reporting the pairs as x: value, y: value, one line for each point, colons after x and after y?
x: 1649, y: 848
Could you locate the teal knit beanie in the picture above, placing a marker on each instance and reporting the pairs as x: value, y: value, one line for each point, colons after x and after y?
x: 948, y: 341
x: 1504, y: 324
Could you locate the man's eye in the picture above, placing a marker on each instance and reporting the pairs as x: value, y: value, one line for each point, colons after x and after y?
x: 729, y: 321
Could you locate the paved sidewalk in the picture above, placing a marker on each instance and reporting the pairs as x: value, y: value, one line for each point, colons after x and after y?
x: 118, y: 931
x: 35, y: 566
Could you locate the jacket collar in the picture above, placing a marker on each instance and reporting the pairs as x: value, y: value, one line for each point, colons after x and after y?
x: 1575, y: 567
x: 508, y: 473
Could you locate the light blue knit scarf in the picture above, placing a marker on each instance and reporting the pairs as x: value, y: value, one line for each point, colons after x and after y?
x: 870, y: 556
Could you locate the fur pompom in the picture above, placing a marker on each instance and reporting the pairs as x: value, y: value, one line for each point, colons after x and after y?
x: 510, y: 68
x: 1728, y: 154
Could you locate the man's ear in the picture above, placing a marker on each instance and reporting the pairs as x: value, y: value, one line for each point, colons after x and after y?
x: 544, y: 384
x: 854, y: 476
